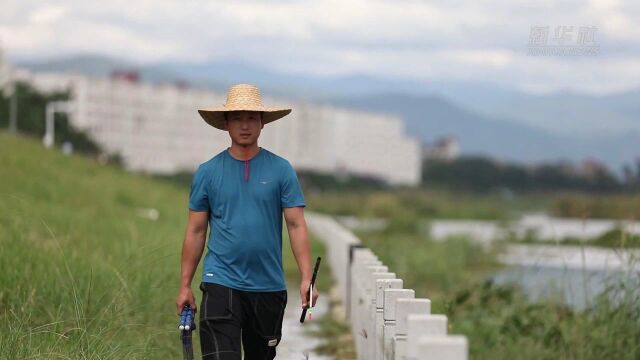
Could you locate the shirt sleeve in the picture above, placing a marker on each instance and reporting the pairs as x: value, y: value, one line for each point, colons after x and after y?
x: 199, y: 197
x: 290, y: 191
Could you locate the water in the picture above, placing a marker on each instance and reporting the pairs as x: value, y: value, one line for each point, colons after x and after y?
x: 540, y: 225
x: 577, y: 288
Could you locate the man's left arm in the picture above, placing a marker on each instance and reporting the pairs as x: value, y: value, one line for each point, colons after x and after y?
x: 301, y: 247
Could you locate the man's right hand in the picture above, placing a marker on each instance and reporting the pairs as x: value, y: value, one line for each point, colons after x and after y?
x: 185, y: 297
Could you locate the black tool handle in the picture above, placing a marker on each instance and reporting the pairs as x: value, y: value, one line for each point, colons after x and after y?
x: 313, y: 282
x: 187, y: 344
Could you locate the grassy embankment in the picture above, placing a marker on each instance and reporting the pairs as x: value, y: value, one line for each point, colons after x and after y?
x: 84, y: 273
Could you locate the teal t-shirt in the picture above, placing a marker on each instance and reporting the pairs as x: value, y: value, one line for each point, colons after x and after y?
x: 244, y: 250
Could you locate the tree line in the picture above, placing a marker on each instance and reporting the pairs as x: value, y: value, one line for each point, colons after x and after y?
x: 476, y: 173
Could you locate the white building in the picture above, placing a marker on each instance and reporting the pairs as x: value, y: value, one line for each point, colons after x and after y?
x: 157, y: 129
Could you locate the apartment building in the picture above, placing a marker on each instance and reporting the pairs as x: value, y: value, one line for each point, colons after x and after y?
x: 156, y: 129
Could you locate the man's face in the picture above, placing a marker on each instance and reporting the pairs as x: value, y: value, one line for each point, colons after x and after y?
x: 244, y: 126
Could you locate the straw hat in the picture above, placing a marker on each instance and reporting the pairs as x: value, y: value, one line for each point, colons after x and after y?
x: 242, y: 97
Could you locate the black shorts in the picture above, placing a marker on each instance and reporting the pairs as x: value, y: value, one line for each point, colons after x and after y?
x: 228, y: 315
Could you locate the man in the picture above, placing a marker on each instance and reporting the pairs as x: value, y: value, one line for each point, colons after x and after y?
x: 242, y: 193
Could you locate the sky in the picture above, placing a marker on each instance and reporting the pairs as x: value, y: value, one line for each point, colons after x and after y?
x: 462, y: 40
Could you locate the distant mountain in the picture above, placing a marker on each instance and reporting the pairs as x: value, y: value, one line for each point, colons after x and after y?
x: 572, y: 114
x: 216, y: 75
x: 429, y: 117
x: 219, y: 74
x: 94, y: 65
x: 486, y: 118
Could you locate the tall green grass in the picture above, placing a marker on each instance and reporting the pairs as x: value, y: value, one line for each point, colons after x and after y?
x: 499, y: 321
x: 414, y: 203
x: 612, y: 206
x: 83, y: 273
x: 502, y: 324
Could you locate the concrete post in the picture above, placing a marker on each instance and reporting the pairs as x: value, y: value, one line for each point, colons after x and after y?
x: 404, y: 307
x: 361, y: 273
x: 371, y: 311
x: 365, y: 305
x: 354, y: 291
x: 356, y: 251
x: 390, y: 298
x: 381, y: 286
x: 444, y: 348
x: 420, y: 325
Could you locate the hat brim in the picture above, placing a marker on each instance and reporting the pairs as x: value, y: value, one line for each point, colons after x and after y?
x: 215, y: 116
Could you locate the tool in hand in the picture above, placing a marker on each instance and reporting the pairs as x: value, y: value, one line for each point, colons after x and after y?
x: 310, y: 297
x: 186, y: 327
x: 313, y: 281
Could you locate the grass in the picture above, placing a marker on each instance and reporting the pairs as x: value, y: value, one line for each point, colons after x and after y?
x: 502, y: 324
x: 616, y: 206
x: 615, y: 238
x: 499, y: 321
x: 84, y: 273
x: 440, y: 203
x: 397, y: 203
x: 434, y: 269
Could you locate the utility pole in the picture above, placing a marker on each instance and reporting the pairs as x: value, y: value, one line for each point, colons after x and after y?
x: 13, y: 109
x: 8, y: 86
x: 51, y: 110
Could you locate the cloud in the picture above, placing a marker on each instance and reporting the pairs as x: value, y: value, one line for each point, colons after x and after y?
x: 462, y: 39
x: 47, y: 15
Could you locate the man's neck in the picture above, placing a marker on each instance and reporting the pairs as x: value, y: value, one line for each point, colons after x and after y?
x: 241, y: 152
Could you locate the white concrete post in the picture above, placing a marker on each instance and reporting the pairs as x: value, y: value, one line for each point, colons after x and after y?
x: 356, y: 295
x: 389, y: 313
x: 371, y: 311
x: 356, y: 287
x: 365, y: 307
x: 340, y: 254
x: 420, y: 325
x: 381, y: 286
x: 404, y: 307
x: 360, y: 254
x: 359, y: 309
x: 453, y: 347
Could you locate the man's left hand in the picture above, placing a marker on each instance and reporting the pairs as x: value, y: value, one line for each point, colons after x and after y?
x: 304, y: 293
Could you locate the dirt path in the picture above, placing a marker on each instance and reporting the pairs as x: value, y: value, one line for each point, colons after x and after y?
x: 296, y: 344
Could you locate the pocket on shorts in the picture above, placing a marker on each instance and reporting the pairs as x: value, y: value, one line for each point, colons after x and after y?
x: 270, y: 313
x: 217, y: 302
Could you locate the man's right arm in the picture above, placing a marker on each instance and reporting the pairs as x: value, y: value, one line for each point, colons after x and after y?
x: 192, y: 247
